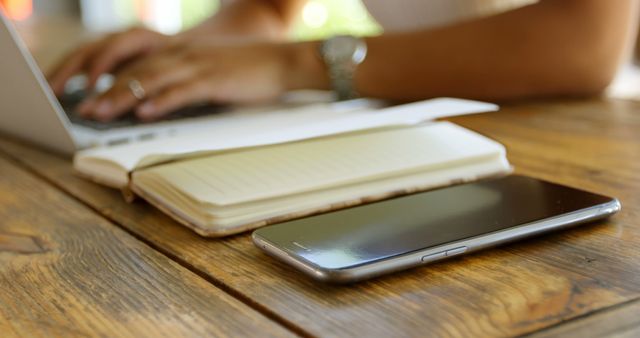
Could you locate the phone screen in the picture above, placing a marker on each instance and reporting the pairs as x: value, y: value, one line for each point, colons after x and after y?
x: 382, y: 230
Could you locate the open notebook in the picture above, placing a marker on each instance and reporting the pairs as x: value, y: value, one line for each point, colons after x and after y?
x: 219, y: 188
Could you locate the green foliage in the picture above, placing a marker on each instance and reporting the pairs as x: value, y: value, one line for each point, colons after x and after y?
x: 194, y: 11
x: 321, y: 18
x: 343, y: 16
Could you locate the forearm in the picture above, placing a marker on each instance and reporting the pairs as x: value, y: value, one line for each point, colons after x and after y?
x: 557, y: 47
x: 249, y: 19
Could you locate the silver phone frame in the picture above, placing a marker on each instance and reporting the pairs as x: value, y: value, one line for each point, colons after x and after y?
x: 414, y: 259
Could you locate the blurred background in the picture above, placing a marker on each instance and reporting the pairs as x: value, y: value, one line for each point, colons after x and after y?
x: 320, y: 17
x: 52, y: 27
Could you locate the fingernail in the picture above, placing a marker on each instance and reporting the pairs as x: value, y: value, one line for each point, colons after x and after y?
x: 146, y: 109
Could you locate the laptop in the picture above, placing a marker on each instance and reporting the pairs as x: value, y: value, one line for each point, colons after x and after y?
x: 30, y: 111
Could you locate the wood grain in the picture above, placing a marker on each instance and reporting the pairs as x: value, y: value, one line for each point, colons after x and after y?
x: 65, y: 271
x: 617, y: 322
x: 512, y: 290
x: 590, y: 145
x: 22, y: 244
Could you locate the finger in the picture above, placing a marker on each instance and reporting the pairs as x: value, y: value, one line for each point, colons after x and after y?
x: 157, y: 73
x: 113, y: 104
x: 122, y: 48
x: 72, y: 65
x: 85, y: 108
x: 175, y: 97
x: 120, y: 99
x: 157, y: 78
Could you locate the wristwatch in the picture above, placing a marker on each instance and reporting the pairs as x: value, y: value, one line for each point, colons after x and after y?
x: 342, y: 54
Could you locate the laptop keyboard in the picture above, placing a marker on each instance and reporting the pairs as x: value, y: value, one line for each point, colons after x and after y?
x: 71, y: 100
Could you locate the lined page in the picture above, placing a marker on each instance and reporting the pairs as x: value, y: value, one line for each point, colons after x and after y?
x: 286, y: 169
x: 237, y: 130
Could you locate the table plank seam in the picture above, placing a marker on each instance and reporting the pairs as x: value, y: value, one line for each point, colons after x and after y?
x: 229, y: 289
x: 582, y: 316
x: 212, y: 280
x: 98, y: 280
x: 202, y: 266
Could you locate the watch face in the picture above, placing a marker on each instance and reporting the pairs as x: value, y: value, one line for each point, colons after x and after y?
x: 341, y: 49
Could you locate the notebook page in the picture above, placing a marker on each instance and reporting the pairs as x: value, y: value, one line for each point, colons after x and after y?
x: 278, y: 127
x: 316, y: 164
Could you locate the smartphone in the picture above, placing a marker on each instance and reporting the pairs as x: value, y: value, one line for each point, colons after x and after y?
x: 374, y: 239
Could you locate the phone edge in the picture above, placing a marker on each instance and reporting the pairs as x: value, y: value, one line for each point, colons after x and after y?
x: 414, y: 259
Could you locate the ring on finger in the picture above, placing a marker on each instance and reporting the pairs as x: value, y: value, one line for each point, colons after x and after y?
x: 137, y: 90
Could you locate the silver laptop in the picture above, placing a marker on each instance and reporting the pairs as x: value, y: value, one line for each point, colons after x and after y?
x: 29, y: 110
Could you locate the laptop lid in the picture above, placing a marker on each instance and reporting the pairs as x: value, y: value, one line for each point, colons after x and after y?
x: 28, y: 108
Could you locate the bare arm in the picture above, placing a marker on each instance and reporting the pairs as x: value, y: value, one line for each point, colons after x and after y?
x: 552, y: 48
x: 555, y: 47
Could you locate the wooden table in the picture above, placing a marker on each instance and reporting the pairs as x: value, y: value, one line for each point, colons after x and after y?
x: 76, y: 260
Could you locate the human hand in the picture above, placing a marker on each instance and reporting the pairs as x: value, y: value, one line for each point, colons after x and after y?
x: 106, y: 55
x: 198, y: 72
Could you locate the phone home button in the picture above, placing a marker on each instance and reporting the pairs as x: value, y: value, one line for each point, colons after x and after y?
x: 456, y: 251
